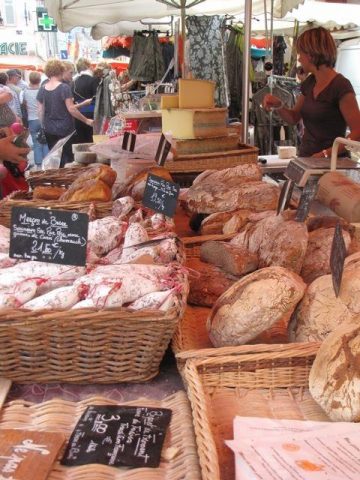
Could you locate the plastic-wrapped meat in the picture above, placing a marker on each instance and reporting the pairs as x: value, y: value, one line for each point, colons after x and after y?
x: 91, y: 257
x: 131, y: 255
x: 47, y: 275
x: 60, y: 298
x: 111, y: 286
x: 105, y: 234
x: 134, y: 235
x: 112, y: 257
x: 137, y: 217
x: 168, y: 250
x: 153, y: 301
x: 122, y: 207
x: 16, y: 295
x: 6, y: 261
x: 88, y: 303
x: 163, y: 252
x: 4, y: 239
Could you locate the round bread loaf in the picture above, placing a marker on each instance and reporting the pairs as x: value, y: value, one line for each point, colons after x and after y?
x: 334, y: 379
x: 320, y: 312
x: 253, y: 305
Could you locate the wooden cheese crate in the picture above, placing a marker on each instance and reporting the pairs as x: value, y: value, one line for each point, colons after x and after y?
x: 218, y: 160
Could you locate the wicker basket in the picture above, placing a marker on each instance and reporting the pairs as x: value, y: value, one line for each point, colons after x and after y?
x: 62, y: 177
x: 264, y: 381
x: 24, y: 199
x: 199, y: 162
x: 61, y: 416
x: 85, y: 345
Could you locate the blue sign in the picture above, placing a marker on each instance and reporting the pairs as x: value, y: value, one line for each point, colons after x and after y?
x: 63, y: 54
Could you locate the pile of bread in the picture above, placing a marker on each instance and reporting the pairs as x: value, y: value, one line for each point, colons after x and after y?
x: 97, y: 183
x: 94, y: 184
x: 272, y: 282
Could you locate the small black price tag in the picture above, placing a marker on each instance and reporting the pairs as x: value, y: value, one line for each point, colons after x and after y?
x: 162, y: 151
x: 294, y: 172
x: 161, y: 195
x: 307, y: 197
x: 118, y: 436
x: 285, y: 196
x: 129, y: 141
x: 54, y: 236
x: 337, y: 258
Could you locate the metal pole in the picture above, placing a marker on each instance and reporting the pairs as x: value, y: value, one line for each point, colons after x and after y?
x: 183, y: 35
x: 246, y: 76
x: 271, y: 78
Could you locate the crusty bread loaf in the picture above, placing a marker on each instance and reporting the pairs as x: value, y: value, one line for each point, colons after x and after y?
x: 275, y: 240
x: 317, y: 257
x: 320, y: 312
x: 48, y: 193
x: 213, y: 224
x: 208, y: 284
x: 209, y: 197
x: 98, y: 172
x: 92, y: 190
x: 234, y: 260
x: 254, y: 304
x: 334, y: 379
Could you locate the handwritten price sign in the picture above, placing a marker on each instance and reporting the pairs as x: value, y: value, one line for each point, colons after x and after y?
x: 161, y: 195
x: 54, y: 236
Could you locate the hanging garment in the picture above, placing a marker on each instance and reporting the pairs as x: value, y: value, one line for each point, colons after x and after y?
x: 207, y: 53
x: 103, y: 106
x: 234, y: 69
x: 168, y: 54
x: 260, y: 118
x: 279, y: 48
x: 146, y: 58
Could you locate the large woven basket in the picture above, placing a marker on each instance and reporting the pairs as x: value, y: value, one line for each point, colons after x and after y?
x: 24, y: 199
x: 85, y: 345
x: 59, y: 177
x: 262, y: 381
x: 179, y: 460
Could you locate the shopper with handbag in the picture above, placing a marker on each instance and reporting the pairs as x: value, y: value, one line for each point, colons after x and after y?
x: 30, y: 104
x: 57, y: 110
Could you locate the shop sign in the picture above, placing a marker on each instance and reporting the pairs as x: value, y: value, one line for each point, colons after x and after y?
x: 44, y: 22
x: 13, y: 48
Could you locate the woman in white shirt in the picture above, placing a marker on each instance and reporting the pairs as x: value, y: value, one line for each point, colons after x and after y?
x: 30, y: 94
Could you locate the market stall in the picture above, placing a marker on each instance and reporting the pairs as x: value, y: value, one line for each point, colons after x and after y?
x: 181, y: 234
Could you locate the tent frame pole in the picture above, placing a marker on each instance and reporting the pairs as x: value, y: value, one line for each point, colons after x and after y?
x: 246, y: 70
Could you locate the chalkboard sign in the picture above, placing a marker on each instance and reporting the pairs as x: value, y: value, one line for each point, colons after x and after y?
x: 337, y: 258
x: 118, y: 436
x: 161, y: 195
x: 307, y: 197
x: 54, y: 236
x: 285, y: 196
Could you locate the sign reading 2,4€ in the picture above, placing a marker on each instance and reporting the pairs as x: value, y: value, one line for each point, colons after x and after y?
x: 13, y: 48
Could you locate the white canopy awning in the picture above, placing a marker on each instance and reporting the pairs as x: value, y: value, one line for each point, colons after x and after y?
x: 88, y: 13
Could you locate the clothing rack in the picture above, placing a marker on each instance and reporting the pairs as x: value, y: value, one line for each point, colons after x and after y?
x: 283, y: 79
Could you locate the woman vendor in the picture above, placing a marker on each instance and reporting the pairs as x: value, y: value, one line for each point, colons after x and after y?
x: 327, y: 103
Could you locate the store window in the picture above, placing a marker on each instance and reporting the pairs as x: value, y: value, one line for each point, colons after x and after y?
x: 9, y: 12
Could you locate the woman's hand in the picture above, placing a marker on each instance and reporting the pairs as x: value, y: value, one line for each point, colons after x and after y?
x: 271, y: 102
x: 89, y: 122
x: 10, y: 152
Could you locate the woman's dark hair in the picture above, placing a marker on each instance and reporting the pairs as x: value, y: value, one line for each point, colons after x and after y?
x: 319, y: 45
